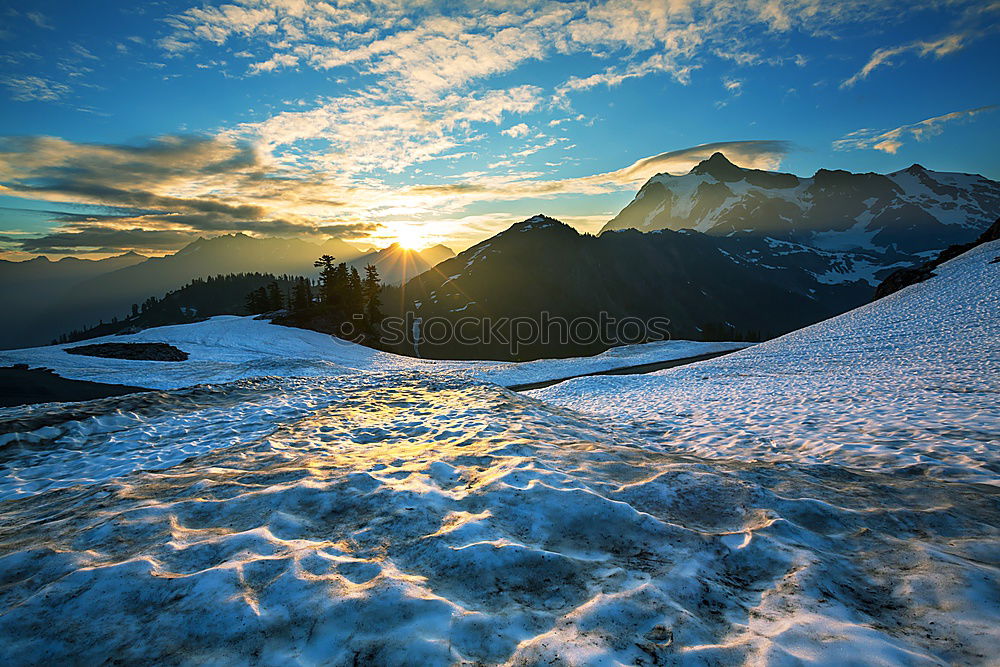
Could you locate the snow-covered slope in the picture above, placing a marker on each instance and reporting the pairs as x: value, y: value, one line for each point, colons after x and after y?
x: 909, y: 383
x: 228, y: 348
x: 414, y: 518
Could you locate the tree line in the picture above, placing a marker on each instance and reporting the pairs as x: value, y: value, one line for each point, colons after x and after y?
x: 340, y: 295
x: 199, y: 299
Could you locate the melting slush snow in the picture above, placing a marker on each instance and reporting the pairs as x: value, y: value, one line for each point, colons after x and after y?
x: 825, y: 497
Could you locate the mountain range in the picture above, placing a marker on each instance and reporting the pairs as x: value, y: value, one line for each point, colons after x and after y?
x: 52, y: 298
x: 720, y: 251
x: 30, y: 287
x: 869, y: 222
x: 731, y: 287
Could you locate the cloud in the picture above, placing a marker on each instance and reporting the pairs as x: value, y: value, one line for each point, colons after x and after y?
x: 40, y: 20
x: 35, y: 89
x: 613, y: 76
x: 890, y: 141
x: 371, y: 131
x: 417, y: 50
x: 276, y: 61
x: 937, y: 48
x: 755, y: 154
x: 176, y: 187
x: 177, y: 184
x: 82, y: 52
x: 108, y: 239
x: 974, y: 21
x: 559, y: 121
x: 516, y: 131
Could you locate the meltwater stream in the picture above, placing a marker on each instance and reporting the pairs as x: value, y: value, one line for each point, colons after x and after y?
x: 396, y: 519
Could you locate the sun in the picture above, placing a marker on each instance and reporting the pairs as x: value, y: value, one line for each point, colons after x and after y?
x: 410, y: 239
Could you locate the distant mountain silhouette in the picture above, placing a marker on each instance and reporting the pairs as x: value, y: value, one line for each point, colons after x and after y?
x: 31, y: 286
x: 103, y: 294
x: 437, y: 254
x: 79, y: 294
x: 397, y: 264
x: 199, y: 299
x: 709, y: 287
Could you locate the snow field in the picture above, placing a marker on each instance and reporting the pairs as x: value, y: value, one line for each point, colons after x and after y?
x: 827, y: 497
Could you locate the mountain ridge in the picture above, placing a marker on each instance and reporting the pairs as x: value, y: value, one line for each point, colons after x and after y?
x: 902, y: 214
x: 706, y: 286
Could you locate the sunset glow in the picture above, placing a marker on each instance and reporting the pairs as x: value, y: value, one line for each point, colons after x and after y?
x: 356, y: 120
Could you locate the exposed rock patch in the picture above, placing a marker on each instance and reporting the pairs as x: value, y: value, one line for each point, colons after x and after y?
x: 132, y: 351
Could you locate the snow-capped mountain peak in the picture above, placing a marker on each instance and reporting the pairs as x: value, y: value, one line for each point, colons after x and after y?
x: 909, y: 212
x: 719, y: 167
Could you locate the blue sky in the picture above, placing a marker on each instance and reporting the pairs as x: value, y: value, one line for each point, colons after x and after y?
x: 144, y: 128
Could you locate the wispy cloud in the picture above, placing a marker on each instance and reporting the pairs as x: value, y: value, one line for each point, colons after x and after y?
x: 613, y: 76
x: 734, y: 87
x: 278, y: 60
x: 40, y: 20
x: 35, y: 89
x: 755, y: 154
x: 974, y: 22
x: 890, y: 141
x: 882, y: 57
x: 371, y: 131
x: 422, y: 52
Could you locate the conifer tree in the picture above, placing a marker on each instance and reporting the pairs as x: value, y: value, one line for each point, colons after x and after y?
x: 301, y: 295
x: 326, y: 279
x: 275, y: 300
x: 340, y: 289
x: 355, y: 294
x: 257, y: 301
x: 371, y: 290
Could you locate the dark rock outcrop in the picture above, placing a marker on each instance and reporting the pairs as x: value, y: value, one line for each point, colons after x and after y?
x: 131, y: 351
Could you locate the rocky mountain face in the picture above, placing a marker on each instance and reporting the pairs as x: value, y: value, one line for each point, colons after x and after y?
x: 865, y: 224
x: 708, y: 287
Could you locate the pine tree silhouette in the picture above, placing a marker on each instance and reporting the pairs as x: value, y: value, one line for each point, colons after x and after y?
x: 326, y: 279
x: 371, y: 290
x: 275, y: 300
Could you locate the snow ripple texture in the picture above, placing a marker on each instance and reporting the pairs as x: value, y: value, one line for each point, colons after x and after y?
x: 910, y: 383
x: 411, y: 519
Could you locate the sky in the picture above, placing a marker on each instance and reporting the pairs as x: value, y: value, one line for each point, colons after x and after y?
x: 141, y: 126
